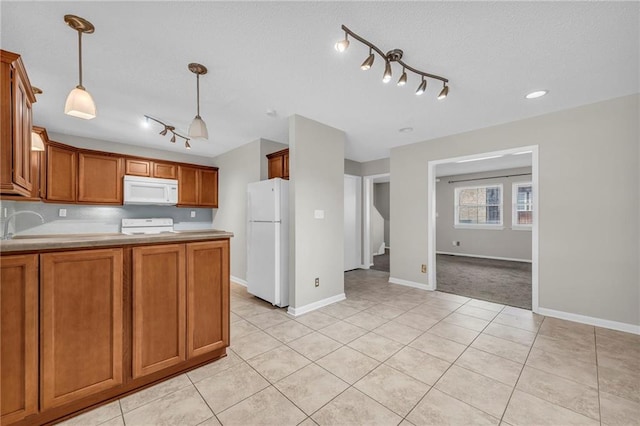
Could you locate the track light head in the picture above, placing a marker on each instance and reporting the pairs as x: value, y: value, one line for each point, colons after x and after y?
x: 342, y: 45
x: 444, y: 92
x: 186, y: 144
x: 368, y: 63
x: 403, y: 78
x: 422, y: 87
x: 164, y: 131
x: 387, y: 72
x: 173, y: 138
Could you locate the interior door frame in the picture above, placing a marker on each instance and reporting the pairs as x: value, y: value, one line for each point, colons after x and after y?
x: 367, y: 202
x: 431, y: 215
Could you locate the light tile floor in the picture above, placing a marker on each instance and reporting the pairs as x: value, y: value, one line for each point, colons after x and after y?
x: 396, y: 355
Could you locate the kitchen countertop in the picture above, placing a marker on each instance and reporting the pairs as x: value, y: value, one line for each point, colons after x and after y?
x: 53, y: 242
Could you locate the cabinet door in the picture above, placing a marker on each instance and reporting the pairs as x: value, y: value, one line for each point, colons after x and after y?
x: 285, y: 166
x: 100, y: 179
x: 159, y: 307
x: 19, y: 337
x: 276, y: 167
x: 187, y: 186
x: 207, y: 297
x: 208, y: 188
x: 81, y: 325
x: 137, y: 167
x: 22, y: 173
x: 62, y: 167
x: 165, y: 170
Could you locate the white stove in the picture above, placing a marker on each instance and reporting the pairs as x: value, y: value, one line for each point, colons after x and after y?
x: 147, y: 226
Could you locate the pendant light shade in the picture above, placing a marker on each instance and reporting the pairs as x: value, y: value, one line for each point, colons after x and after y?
x: 79, y: 103
x: 387, y: 73
x: 198, y: 128
x: 443, y: 93
x: 368, y: 62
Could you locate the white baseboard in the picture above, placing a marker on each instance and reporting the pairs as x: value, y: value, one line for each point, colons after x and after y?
x: 413, y: 284
x: 614, y: 325
x: 484, y: 257
x: 363, y: 266
x: 239, y: 281
x: 315, y: 305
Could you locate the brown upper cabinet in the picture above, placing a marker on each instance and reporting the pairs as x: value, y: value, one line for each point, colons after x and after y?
x: 279, y: 164
x: 197, y: 187
x: 100, y: 178
x: 149, y: 168
x: 16, y: 99
x: 62, y: 170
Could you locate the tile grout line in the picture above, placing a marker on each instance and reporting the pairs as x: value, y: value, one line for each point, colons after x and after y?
x: 524, y: 364
x: 448, y: 368
x: 204, y: 399
x: 595, y: 341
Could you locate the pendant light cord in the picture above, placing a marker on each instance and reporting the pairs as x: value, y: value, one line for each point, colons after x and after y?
x: 80, y: 86
x: 198, y: 94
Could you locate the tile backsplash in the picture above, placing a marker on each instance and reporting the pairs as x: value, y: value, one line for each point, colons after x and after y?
x: 83, y: 219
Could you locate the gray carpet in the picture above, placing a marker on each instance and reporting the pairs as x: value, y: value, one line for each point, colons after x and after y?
x: 499, y: 281
x: 381, y: 261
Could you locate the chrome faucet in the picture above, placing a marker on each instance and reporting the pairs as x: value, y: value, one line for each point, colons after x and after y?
x: 5, y: 233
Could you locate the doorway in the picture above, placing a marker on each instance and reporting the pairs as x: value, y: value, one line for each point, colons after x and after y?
x: 377, y: 222
x: 483, y: 227
x: 352, y: 222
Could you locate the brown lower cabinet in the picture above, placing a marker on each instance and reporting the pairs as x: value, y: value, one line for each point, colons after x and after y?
x: 105, y: 322
x: 19, y: 338
x: 159, y: 308
x: 81, y: 324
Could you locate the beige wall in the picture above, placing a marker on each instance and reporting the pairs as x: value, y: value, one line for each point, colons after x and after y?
x: 505, y: 242
x: 375, y: 167
x: 352, y: 168
x: 238, y: 168
x: 316, y: 162
x: 588, y: 258
x: 381, y: 201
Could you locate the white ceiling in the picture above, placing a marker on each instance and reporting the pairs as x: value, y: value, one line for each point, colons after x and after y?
x: 279, y: 55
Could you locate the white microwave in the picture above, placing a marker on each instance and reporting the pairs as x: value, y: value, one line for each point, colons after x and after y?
x: 144, y: 190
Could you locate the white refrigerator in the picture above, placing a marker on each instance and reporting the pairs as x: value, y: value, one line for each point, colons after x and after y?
x: 268, y: 240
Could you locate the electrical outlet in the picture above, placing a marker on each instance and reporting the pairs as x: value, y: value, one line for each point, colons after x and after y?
x: 317, y: 282
x: 455, y: 243
x: 423, y: 268
x: 62, y: 212
x: 193, y: 213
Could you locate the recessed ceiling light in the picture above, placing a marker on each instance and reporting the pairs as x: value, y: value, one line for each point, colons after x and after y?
x: 406, y: 130
x: 536, y: 94
x: 478, y: 159
x: 271, y: 112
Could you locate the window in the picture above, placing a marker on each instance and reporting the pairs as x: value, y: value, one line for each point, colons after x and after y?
x: 522, y: 205
x: 479, y: 207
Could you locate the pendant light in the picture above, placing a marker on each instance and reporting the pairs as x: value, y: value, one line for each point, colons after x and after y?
x: 79, y: 103
x: 198, y: 128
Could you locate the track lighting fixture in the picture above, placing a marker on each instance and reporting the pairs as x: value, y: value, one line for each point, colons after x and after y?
x: 422, y: 87
x: 387, y: 73
x: 403, y: 78
x: 79, y: 103
x: 198, y: 128
x: 394, y: 55
x: 444, y: 92
x: 368, y: 62
x: 169, y: 129
x: 342, y: 45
